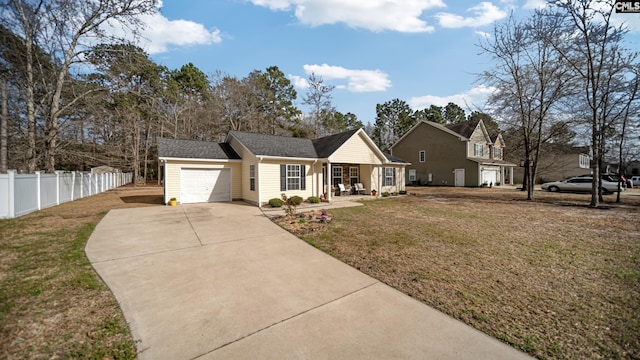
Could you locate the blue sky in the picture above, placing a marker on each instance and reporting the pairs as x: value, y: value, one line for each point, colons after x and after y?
x: 421, y: 51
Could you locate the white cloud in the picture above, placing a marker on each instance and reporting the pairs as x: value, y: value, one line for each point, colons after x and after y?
x: 535, y: 4
x: 483, y: 34
x: 357, y: 80
x: 299, y: 81
x: 473, y: 98
x: 484, y: 13
x: 161, y: 33
x: 374, y: 15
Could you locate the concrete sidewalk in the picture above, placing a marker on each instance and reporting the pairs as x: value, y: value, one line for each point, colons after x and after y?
x: 221, y: 281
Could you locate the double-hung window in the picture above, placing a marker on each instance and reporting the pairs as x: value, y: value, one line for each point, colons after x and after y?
x: 478, y: 150
x: 337, y: 175
x: 252, y: 177
x: 293, y: 177
x: 354, y: 175
x: 497, y: 153
x: 389, y: 176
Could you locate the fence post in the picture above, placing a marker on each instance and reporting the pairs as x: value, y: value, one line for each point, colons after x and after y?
x: 57, y: 187
x: 73, y: 184
x: 38, y: 194
x: 11, y: 193
x: 81, y: 185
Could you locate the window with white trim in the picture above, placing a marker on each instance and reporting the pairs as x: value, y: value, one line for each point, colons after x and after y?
x: 497, y: 153
x: 412, y: 175
x: 478, y: 150
x: 388, y: 176
x: 293, y: 177
x: 252, y: 177
x: 354, y: 175
x: 585, y: 161
x: 422, y: 156
x: 337, y: 175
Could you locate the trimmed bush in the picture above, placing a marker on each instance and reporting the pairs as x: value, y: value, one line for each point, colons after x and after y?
x: 295, y: 200
x: 275, y: 202
x: 386, y: 194
x: 313, y: 199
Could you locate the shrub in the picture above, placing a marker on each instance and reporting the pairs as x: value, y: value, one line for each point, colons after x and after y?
x: 403, y: 192
x: 275, y: 202
x: 313, y: 199
x: 296, y: 200
x: 385, y: 194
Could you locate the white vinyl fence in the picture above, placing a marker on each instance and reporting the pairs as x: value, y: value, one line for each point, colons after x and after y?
x: 21, y: 194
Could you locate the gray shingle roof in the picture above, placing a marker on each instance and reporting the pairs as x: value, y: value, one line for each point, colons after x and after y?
x: 464, y: 128
x: 190, y: 149
x: 273, y: 145
x: 395, y: 159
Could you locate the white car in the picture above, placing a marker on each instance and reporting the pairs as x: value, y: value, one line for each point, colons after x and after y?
x: 580, y: 184
x: 635, y: 180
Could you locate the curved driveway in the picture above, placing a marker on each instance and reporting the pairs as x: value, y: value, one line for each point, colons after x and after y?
x: 221, y: 281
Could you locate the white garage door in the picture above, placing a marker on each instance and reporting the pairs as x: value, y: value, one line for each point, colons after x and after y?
x: 489, y: 177
x: 205, y: 185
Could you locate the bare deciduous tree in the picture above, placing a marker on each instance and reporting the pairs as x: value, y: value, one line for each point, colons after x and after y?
x: 531, y: 78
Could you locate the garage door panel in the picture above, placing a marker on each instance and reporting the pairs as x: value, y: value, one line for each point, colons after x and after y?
x: 489, y: 176
x: 205, y: 185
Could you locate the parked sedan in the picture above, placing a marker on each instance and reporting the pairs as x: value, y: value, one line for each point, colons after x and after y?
x: 580, y: 184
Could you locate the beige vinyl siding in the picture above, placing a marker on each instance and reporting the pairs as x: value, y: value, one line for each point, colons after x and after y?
x: 269, y: 171
x: 247, y: 194
x: 248, y: 159
x: 478, y: 138
x: 173, y: 167
x: 356, y: 151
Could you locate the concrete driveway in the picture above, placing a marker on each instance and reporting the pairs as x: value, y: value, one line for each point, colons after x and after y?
x: 221, y: 281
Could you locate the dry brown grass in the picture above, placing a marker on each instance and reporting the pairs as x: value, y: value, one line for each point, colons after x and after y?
x: 552, y: 277
x: 52, y: 303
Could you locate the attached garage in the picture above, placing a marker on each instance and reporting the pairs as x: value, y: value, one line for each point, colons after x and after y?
x: 205, y: 185
x: 490, y: 176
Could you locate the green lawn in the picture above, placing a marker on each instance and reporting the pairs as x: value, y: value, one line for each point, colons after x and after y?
x: 553, y: 277
x: 52, y: 303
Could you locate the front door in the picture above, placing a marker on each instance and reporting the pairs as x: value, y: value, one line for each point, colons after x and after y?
x: 459, y: 177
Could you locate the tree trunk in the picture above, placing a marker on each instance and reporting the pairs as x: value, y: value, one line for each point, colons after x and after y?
x: 4, y: 119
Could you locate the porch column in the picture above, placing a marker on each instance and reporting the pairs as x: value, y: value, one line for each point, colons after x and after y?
x: 328, y: 184
x: 511, y: 175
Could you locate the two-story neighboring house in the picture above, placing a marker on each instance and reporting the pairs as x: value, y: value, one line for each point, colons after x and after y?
x: 462, y: 154
x: 559, y: 163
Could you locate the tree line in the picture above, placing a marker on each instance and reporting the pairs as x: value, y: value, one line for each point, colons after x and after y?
x: 74, y: 96
x: 71, y: 103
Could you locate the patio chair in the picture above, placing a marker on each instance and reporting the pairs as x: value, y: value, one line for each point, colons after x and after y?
x: 359, y: 189
x: 343, y: 190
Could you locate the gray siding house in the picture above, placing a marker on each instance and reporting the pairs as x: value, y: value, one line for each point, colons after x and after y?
x: 462, y: 154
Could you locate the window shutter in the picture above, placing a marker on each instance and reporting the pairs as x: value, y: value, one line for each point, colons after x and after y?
x: 394, y: 177
x: 283, y: 177
x: 303, y: 177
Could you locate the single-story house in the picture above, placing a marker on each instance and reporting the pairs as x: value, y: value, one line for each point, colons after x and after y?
x: 258, y: 167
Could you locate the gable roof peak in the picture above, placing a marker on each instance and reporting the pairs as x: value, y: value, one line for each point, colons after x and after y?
x: 465, y: 128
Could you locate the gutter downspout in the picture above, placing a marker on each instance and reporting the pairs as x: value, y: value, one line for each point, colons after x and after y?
x: 313, y: 175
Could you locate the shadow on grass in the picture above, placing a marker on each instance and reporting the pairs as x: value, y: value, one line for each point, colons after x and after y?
x: 143, y: 199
